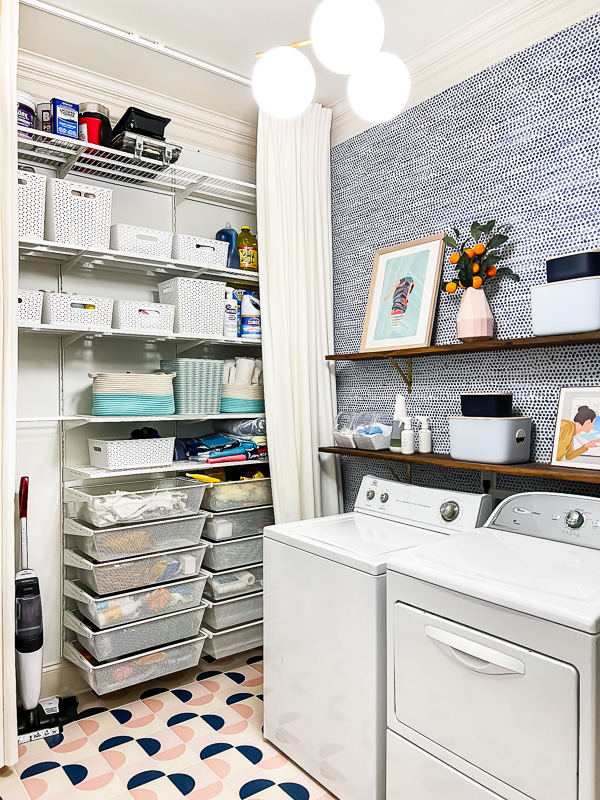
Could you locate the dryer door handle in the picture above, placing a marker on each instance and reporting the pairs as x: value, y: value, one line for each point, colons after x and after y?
x: 475, y: 656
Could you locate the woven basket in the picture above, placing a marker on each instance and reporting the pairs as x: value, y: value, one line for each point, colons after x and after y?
x: 196, y: 250
x: 147, y: 241
x: 145, y: 316
x: 32, y: 199
x: 199, y: 305
x: 75, y: 309
x: 197, y: 386
x: 131, y: 453
x: 78, y: 214
x: 30, y: 306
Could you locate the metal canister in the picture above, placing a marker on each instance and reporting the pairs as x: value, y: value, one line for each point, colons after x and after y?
x: 94, y: 124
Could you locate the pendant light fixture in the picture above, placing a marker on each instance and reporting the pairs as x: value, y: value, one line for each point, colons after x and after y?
x: 283, y: 82
x: 380, y: 88
x: 346, y: 32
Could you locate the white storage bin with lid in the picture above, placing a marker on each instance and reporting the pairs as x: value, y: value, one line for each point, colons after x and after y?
x: 491, y: 440
x: 236, y: 611
x: 199, y: 305
x: 76, y: 309
x: 197, y: 250
x: 114, y: 504
x: 142, y: 315
x: 104, y: 544
x: 31, y: 193
x: 111, y: 577
x: 234, y: 524
x: 117, y: 609
x: 147, y: 241
x: 78, y: 214
x: 131, y: 453
x: 234, y: 583
x: 146, y: 666
x: 233, y: 553
x: 230, y: 495
x: 30, y: 306
x: 566, y: 307
x: 221, y: 644
x: 123, y: 640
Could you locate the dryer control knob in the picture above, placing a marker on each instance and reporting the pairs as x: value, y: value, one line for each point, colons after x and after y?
x: 384, y: 497
x: 574, y: 519
x: 449, y: 510
x: 370, y: 494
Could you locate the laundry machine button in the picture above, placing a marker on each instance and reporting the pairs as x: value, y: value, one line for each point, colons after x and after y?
x: 384, y: 497
x: 370, y: 494
x: 574, y: 519
x: 449, y: 510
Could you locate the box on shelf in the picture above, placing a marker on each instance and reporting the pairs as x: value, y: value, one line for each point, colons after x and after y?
x: 230, y: 495
x: 76, y: 309
x: 236, y: 611
x: 566, y: 307
x: 221, y: 644
x: 147, y: 241
x: 145, y: 316
x: 197, y: 384
x: 199, y: 305
x: 234, y: 524
x: 234, y: 583
x: 491, y: 440
x: 131, y: 453
x: 78, y: 214
x: 232, y: 553
x: 30, y: 306
x: 32, y: 204
x: 197, y: 250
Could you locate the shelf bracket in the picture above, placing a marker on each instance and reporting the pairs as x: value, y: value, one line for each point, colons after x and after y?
x: 406, y: 376
x: 75, y: 338
x: 72, y: 262
x: 395, y: 474
x: 68, y: 165
x: 193, y: 187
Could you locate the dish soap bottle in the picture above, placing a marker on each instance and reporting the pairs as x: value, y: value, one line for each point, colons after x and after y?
x: 229, y: 235
x: 425, y: 445
x: 248, y: 250
x: 398, y: 424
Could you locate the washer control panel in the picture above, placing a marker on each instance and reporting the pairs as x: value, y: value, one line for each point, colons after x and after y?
x: 560, y: 517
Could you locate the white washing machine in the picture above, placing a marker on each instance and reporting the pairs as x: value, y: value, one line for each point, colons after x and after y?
x: 324, y: 627
x: 494, y: 656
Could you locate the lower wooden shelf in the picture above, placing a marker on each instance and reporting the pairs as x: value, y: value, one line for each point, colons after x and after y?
x: 531, y: 469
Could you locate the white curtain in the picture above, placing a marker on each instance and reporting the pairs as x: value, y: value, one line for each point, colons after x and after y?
x: 296, y: 277
x: 9, y: 15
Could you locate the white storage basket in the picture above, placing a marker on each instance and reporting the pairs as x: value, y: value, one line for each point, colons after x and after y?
x: 237, y: 611
x: 30, y: 306
x: 131, y: 453
x: 135, y: 636
x: 117, y: 609
x: 146, y: 666
x: 221, y: 644
x: 78, y: 214
x: 76, y: 309
x: 147, y: 241
x: 133, y: 573
x: 230, y: 495
x: 104, y: 544
x: 196, y: 250
x: 199, y: 305
x: 146, y: 316
x: 136, y: 501
x: 32, y: 200
x: 234, y: 553
x: 237, y: 582
x: 234, y: 524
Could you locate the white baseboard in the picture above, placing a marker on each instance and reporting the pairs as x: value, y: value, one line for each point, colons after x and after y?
x: 62, y: 678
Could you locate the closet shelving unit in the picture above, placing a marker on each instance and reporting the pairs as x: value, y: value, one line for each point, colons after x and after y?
x: 64, y: 157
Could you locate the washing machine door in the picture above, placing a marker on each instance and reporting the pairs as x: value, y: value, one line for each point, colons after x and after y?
x: 509, y: 711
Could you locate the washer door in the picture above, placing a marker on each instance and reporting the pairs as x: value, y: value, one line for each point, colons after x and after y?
x: 509, y: 711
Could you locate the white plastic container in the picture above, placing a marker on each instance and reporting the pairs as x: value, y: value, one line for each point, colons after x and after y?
x: 199, y: 307
x: 131, y: 453
x: 491, y: 440
x: 136, y: 501
x: 196, y: 250
x: 145, y: 316
x: 30, y: 306
x: 76, y: 309
x: 230, y: 495
x: 146, y: 666
x: 237, y: 611
x: 78, y: 214
x: 112, y: 577
x: 104, y: 544
x: 234, y: 553
x: 235, y: 524
x: 123, y: 640
x: 566, y: 307
x: 147, y: 241
x: 221, y: 644
x: 32, y: 202
x: 117, y: 609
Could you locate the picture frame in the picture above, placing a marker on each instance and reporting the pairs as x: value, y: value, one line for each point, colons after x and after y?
x: 403, y: 294
x: 577, y: 431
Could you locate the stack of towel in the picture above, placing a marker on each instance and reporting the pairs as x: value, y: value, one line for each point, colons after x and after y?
x: 243, y: 386
x: 214, y: 448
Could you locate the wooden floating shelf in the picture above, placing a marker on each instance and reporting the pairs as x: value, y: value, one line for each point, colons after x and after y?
x: 531, y: 469
x: 490, y: 345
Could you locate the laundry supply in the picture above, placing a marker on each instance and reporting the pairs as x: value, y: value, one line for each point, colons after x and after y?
x: 230, y: 316
x: 229, y: 235
x: 43, y: 113
x: 408, y: 438
x: 398, y: 424
x: 94, y: 124
x: 250, y: 317
x: 248, y: 250
x: 239, y: 294
x: 65, y: 118
x: 25, y: 110
x: 231, y: 583
x: 425, y: 443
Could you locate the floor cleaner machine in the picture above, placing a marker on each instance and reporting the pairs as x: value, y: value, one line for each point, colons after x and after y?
x: 36, y: 719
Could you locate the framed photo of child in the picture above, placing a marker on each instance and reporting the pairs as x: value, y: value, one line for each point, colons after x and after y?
x: 403, y: 294
x: 577, y: 435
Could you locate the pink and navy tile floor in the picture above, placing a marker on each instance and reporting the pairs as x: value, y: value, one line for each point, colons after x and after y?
x: 194, y: 735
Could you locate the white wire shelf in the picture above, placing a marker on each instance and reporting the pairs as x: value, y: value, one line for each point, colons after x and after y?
x: 88, y: 258
x: 82, y: 419
x: 85, y: 471
x: 63, y: 155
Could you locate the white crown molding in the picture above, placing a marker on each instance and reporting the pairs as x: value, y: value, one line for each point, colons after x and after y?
x: 508, y: 28
x: 199, y: 127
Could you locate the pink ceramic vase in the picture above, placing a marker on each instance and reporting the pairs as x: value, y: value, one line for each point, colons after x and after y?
x: 474, y: 320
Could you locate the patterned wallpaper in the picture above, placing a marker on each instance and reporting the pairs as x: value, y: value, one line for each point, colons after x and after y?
x: 519, y: 142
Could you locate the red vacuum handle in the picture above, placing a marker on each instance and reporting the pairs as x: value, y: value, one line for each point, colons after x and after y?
x: 23, y: 496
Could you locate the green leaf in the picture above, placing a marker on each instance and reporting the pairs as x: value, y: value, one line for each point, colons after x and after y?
x: 497, y: 241
x: 450, y: 241
x: 491, y: 259
x: 507, y: 271
x: 475, y: 231
x: 463, y: 262
x: 488, y: 227
x: 463, y: 245
x: 456, y: 232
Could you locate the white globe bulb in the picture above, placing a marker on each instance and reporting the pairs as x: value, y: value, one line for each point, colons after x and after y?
x: 345, y: 32
x: 380, y: 88
x: 283, y: 82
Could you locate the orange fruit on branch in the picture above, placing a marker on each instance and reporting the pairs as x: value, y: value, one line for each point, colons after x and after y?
x: 491, y: 271
x: 454, y: 258
x: 477, y: 281
x: 451, y: 287
x: 475, y: 267
x: 470, y: 252
x: 479, y: 249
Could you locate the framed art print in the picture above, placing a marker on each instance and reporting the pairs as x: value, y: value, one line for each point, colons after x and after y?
x: 403, y: 295
x: 577, y: 434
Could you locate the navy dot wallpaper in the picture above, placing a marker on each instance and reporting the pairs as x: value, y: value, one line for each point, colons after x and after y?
x: 520, y: 143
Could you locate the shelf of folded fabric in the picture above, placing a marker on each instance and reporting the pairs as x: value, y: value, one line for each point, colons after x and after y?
x: 86, y: 471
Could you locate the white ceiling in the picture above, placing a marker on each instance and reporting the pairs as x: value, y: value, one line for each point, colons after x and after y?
x: 225, y: 33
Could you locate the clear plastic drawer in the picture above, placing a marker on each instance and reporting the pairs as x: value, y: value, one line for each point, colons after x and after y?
x: 236, y: 582
x: 235, y: 524
x: 237, y: 611
x: 221, y: 644
x: 234, y: 553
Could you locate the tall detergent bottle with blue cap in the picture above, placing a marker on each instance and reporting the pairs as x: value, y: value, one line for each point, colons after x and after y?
x: 250, y: 317
x: 229, y: 235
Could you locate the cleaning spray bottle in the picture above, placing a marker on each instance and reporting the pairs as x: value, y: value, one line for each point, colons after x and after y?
x: 398, y: 424
x: 408, y: 438
x: 425, y: 444
x: 230, y: 317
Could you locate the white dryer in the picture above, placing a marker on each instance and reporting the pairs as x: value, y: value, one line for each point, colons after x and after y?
x: 324, y: 627
x: 494, y: 657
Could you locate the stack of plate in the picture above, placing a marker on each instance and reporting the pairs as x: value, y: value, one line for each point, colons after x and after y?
x: 241, y: 398
x: 132, y: 395
x: 197, y: 385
